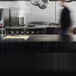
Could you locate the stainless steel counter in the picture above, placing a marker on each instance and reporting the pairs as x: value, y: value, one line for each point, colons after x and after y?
x: 43, y: 38
x: 40, y: 43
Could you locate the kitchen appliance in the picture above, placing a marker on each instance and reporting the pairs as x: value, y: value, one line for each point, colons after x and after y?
x: 36, y: 31
x: 21, y: 21
x: 1, y: 10
x: 15, y: 31
x: 5, y: 16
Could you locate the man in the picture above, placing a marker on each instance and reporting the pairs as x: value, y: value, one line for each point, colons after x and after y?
x: 65, y: 19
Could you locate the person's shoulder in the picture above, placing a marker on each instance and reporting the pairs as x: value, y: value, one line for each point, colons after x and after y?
x: 66, y: 9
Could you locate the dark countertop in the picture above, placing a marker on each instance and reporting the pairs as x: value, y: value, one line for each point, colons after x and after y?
x: 43, y: 38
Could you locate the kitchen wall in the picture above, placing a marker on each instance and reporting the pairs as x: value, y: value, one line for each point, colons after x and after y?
x: 33, y: 13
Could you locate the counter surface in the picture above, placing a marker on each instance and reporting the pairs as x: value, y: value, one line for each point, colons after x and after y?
x: 43, y: 38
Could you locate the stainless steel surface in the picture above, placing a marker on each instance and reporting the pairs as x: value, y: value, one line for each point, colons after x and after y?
x: 1, y: 15
x: 46, y: 38
x: 14, y: 20
x: 21, y: 20
x: 6, y: 16
x: 44, y: 4
x: 35, y: 2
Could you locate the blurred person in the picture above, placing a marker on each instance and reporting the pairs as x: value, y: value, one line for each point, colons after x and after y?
x: 65, y: 19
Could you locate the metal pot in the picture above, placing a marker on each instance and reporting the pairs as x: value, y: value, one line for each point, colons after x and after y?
x: 42, y: 4
x: 35, y: 2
